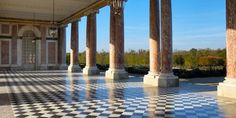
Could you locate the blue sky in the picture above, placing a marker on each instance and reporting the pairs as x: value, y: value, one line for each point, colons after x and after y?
x: 196, y: 24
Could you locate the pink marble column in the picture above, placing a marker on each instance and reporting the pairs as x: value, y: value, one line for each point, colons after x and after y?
x: 228, y: 87
x: 166, y: 77
x: 154, y: 44
x: 74, y: 60
x: 112, y: 56
x: 90, y: 68
x: 62, y: 48
x: 166, y: 33
x: 116, y: 69
x: 154, y: 41
x: 231, y: 39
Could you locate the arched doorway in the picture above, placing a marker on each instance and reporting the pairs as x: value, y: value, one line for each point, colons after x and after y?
x: 29, y: 50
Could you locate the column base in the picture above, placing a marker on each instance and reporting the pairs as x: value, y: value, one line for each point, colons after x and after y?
x: 15, y: 68
x: 161, y: 80
x: 227, y: 88
x: 116, y: 74
x: 91, y: 71
x: 42, y: 67
x: 74, y: 68
x: 62, y: 67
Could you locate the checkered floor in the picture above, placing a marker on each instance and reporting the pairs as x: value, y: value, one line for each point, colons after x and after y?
x: 59, y: 94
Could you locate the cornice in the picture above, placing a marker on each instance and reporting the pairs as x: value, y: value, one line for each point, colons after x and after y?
x: 24, y: 21
x: 94, y: 7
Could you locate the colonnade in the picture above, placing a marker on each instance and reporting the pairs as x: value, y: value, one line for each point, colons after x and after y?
x: 160, y: 73
x: 160, y: 42
x: 116, y: 69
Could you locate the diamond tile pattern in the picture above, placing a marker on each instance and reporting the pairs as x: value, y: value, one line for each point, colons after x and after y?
x: 60, y: 94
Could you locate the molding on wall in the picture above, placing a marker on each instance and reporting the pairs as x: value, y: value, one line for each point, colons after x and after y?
x: 32, y: 28
x: 56, y: 59
x: 54, y: 39
x: 36, y: 38
x: 24, y: 21
x: 0, y: 53
x: 10, y: 56
x: 10, y: 29
x: 19, y: 52
x: 5, y: 37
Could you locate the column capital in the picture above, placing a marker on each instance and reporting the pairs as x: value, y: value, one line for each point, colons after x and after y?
x: 91, y: 11
x: 63, y: 25
x: 75, y: 20
x: 111, y: 1
x: 117, y: 5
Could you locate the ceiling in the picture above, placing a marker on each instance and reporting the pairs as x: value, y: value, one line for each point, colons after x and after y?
x: 41, y: 9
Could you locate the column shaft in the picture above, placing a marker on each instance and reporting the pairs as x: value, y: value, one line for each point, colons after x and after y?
x: 91, y: 40
x: 112, y: 56
x: 90, y: 68
x: 166, y: 36
x: 154, y: 40
x: 74, y: 43
x: 231, y: 39
x: 62, y: 48
x: 74, y: 60
x: 117, y: 39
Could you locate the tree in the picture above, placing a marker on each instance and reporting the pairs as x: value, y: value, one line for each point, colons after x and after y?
x: 179, y: 60
x: 193, y: 57
x: 67, y: 58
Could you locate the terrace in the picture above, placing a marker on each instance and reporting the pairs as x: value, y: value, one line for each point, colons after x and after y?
x: 36, y: 82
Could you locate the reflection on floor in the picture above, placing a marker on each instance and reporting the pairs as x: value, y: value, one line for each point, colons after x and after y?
x: 59, y: 94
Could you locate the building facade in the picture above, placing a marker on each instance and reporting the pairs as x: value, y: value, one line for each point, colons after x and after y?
x: 27, y: 47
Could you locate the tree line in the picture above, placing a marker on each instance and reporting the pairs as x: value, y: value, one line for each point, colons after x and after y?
x: 191, y: 59
x: 200, y: 58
